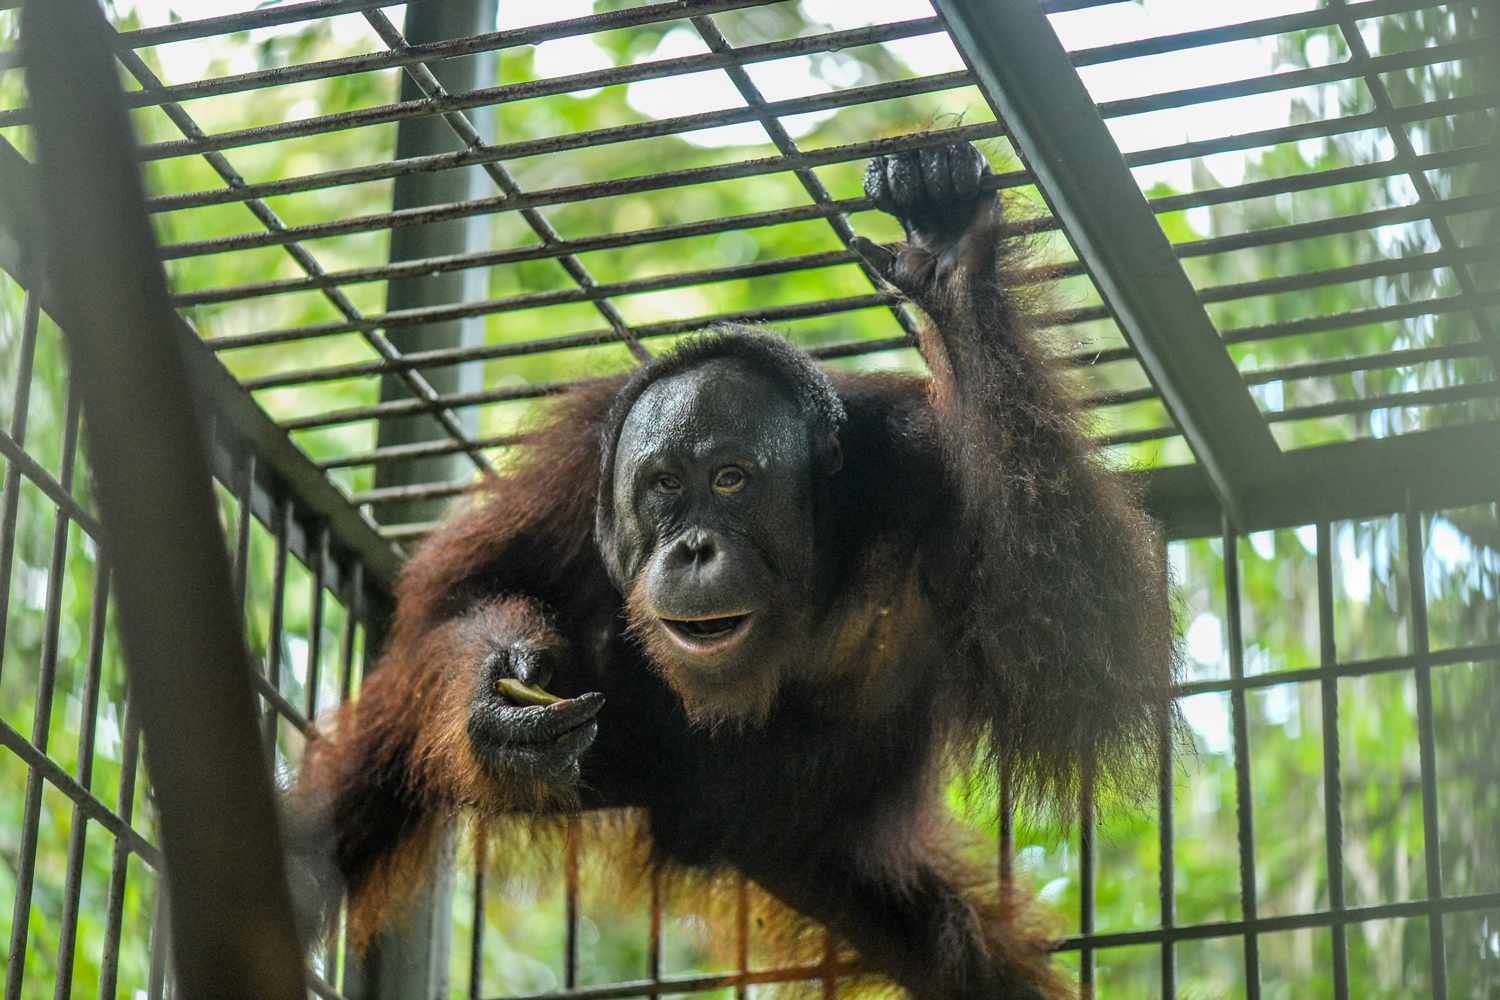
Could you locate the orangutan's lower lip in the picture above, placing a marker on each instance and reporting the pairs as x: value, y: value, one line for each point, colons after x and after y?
x: 707, y: 635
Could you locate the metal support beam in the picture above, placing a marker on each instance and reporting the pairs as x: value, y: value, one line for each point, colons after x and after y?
x: 231, y: 916
x: 412, y: 961
x: 1430, y: 470
x: 437, y: 22
x: 1055, y: 126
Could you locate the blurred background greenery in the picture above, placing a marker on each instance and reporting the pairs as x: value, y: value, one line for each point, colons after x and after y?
x: 522, y: 938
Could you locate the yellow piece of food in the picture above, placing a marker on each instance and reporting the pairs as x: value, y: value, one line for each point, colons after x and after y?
x: 525, y: 694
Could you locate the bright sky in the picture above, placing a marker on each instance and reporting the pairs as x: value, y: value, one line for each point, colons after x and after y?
x: 927, y: 54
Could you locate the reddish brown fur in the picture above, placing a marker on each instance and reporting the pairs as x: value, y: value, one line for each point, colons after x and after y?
x: 993, y: 586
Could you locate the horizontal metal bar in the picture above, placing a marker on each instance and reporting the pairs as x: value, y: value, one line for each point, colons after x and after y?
x: 1366, y: 362
x: 654, y: 13
x: 54, y: 490
x: 1382, y: 268
x: 425, y: 449
x: 1366, y: 404
x: 1359, y: 317
x: 1435, y: 469
x: 532, y: 89
x: 280, y: 705
x: 444, y: 264
x: 1212, y: 294
x: 55, y: 775
x: 529, y: 300
x: 1289, y: 922
x: 1484, y: 653
x: 1294, y: 79
x: 582, y: 192
x: 223, y: 24
x: 670, y: 985
x: 408, y: 406
x: 695, y: 63
x: 1243, y: 30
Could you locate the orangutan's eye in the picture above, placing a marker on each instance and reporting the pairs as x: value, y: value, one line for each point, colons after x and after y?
x: 730, y: 479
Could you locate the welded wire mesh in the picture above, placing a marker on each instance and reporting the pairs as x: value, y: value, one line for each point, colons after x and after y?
x: 1324, y: 172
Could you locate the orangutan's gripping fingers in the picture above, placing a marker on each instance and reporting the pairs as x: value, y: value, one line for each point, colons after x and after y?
x: 935, y: 192
x: 519, y: 730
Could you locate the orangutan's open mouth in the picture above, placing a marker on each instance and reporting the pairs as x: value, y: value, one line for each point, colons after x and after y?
x: 707, y: 635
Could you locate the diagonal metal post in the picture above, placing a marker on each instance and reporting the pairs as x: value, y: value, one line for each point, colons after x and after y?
x: 1056, y: 127
x: 231, y: 914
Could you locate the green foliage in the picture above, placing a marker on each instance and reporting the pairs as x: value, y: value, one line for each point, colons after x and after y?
x: 1373, y: 613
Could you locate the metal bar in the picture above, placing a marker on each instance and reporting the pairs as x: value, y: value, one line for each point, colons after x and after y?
x: 78, y: 827
x: 495, y: 41
x: 300, y: 255
x: 58, y: 778
x: 465, y: 131
x: 1406, y: 156
x: 54, y: 491
x: 41, y: 719
x: 1166, y: 859
x: 618, y: 75
x: 1333, y: 801
x: 659, y: 181
x: 476, y: 946
x: 570, y: 904
x: 151, y: 475
x: 1291, y: 922
x: 232, y: 405
x: 281, y: 530
x: 313, y: 673
x: 1354, y: 668
x: 443, y: 102
x: 1239, y: 141
x: 1244, y: 808
x: 1086, y: 861
x: 1367, y: 404
x: 673, y: 985
x: 1360, y: 317
x: 1422, y: 677
x: 1028, y: 80
x: 109, y: 963
x: 401, y: 453
x: 10, y: 500
x: 207, y: 27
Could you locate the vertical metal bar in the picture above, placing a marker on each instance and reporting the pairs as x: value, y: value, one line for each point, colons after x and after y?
x: 41, y: 718
x: 317, y: 561
x: 1332, y: 783
x: 1086, y: 884
x: 1244, y: 810
x: 1432, y: 847
x: 354, y: 610
x: 419, y: 136
x: 130, y: 745
x: 243, y: 520
x: 78, y: 830
x: 1167, y: 862
x: 283, y: 531
x: 830, y: 981
x: 160, y: 944
x: 570, y: 868
x: 653, y: 946
x: 1007, y: 832
x: 476, y: 949
x: 10, y: 500
x: 741, y: 935
x: 417, y: 975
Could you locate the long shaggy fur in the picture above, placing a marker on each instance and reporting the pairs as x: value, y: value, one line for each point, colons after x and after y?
x: 987, y: 589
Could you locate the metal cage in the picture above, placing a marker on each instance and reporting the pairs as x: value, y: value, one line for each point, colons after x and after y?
x: 385, y: 243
